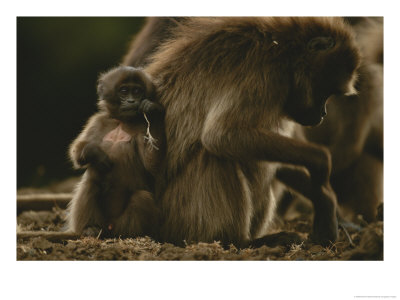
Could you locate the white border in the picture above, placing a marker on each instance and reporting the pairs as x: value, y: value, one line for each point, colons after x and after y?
x: 197, y: 280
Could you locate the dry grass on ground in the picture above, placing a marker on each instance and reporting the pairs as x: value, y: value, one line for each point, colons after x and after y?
x: 368, y: 245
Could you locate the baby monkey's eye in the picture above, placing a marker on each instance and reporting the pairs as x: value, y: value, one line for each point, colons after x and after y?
x: 123, y: 90
x: 137, y: 91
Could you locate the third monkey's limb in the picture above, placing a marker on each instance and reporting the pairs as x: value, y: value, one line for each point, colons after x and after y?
x: 325, y: 225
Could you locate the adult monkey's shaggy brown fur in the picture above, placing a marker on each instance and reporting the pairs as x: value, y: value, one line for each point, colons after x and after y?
x: 230, y: 87
x: 155, y: 31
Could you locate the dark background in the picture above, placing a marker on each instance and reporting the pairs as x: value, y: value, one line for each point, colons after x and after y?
x: 58, y: 62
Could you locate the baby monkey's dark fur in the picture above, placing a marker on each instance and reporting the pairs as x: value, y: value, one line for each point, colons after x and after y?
x: 116, y: 191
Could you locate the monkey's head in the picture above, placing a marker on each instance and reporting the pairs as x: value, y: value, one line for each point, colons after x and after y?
x: 324, y: 60
x: 122, y: 89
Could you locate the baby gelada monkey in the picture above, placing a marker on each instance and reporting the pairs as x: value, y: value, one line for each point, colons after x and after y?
x: 122, y: 148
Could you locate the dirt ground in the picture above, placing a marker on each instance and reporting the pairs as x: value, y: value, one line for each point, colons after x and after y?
x: 362, y: 243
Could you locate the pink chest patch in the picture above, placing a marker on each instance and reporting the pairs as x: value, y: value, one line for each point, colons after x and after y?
x: 117, y: 135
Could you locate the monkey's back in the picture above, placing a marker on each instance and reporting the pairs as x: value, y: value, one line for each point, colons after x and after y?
x: 207, y: 197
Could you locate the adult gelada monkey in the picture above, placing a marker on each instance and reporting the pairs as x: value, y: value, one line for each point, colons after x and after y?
x: 122, y: 146
x: 230, y: 87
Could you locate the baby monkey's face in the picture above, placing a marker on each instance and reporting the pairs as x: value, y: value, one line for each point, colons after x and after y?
x: 122, y: 91
x: 130, y: 95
